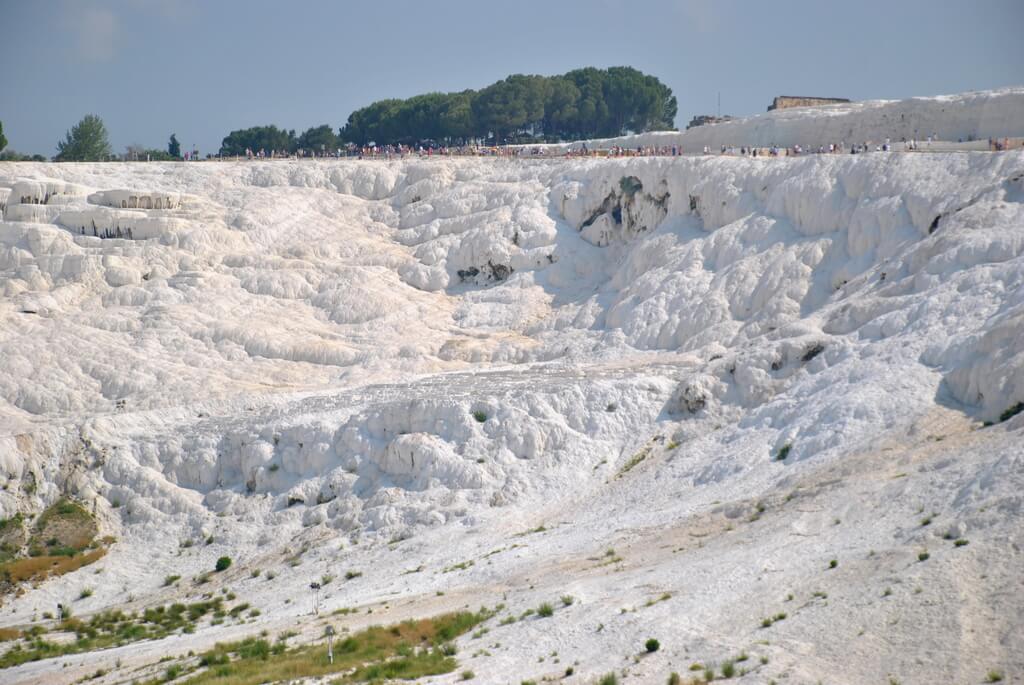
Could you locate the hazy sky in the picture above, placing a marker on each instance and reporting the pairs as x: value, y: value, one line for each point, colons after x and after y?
x: 202, y: 68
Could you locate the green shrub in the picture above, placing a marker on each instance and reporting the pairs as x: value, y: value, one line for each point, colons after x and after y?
x: 545, y: 610
x: 567, y: 600
x: 728, y: 669
x: 833, y: 563
x: 1010, y: 413
x: 468, y: 675
x: 223, y: 564
x: 608, y: 679
x: 994, y: 677
x: 86, y: 592
x: 349, y: 575
x: 171, y: 580
x: 479, y: 416
x: 783, y: 452
x: 675, y: 679
x: 652, y: 645
x: 959, y: 542
x: 923, y: 556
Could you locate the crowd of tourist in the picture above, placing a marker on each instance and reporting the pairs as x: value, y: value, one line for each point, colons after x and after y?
x: 389, y: 152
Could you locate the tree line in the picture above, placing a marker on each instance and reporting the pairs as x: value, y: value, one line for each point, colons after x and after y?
x: 87, y: 141
x: 581, y: 104
x: 578, y: 105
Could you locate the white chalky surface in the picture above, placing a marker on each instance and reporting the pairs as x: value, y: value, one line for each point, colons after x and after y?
x: 286, y: 354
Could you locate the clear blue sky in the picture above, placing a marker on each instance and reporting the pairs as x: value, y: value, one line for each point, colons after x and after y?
x: 202, y: 68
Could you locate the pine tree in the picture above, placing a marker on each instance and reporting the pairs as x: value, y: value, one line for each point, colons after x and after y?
x: 85, y: 142
x: 174, y: 147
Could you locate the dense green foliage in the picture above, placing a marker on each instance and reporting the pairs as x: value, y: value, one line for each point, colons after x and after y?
x: 320, y: 138
x: 3, y: 140
x: 174, y: 147
x: 12, y: 156
x: 258, y: 138
x: 584, y: 103
x: 85, y: 142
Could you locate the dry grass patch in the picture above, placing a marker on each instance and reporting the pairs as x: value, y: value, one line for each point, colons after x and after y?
x: 407, y: 650
x: 43, y: 567
x: 62, y: 540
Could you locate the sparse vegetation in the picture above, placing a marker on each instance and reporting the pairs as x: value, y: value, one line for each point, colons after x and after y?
x: 960, y: 542
x: 404, y: 651
x: 608, y: 679
x: 62, y: 540
x: 923, y: 556
x: 545, y: 610
x: 783, y: 452
x: 994, y: 676
x: 567, y: 600
x: 113, y: 628
x: 833, y: 563
x: 171, y: 580
x: 85, y: 593
x: 728, y: 669
x: 459, y: 567
x: 1011, y: 412
x: 481, y: 417
x: 350, y: 575
x: 223, y: 564
x: 635, y: 460
x: 652, y: 645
